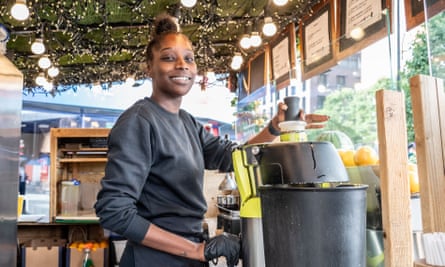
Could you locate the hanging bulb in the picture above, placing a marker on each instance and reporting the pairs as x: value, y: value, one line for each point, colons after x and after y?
x: 357, y: 33
x: 41, y: 80
x: 53, y: 72
x: 38, y: 47
x: 245, y: 41
x: 269, y: 28
x: 44, y: 62
x: 255, y: 39
x: 188, y: 3
x: 280, y: 2
x: 19, y: 10
x: 237, y: 61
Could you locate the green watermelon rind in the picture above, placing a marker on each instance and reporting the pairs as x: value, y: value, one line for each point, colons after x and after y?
x: 339, y: 139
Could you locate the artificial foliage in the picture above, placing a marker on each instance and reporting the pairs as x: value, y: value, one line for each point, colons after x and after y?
x: 104, y: 41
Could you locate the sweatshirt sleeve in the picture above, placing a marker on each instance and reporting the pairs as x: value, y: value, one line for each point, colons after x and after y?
x: 126, y: 171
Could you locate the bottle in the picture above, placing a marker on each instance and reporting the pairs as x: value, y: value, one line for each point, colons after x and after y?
x: 293, y: 131
x: 87, y: 261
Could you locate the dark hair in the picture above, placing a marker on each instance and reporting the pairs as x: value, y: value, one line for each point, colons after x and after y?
x: 164, y: 24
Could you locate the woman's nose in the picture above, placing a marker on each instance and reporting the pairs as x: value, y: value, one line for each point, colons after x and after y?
x: 181, y: 64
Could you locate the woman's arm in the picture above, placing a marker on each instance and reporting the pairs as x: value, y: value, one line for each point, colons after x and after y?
x: 162, y: 240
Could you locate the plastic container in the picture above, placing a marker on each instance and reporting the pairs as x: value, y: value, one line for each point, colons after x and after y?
x: 293, y: 131
x: 314, y: 226
x: 70, y: 193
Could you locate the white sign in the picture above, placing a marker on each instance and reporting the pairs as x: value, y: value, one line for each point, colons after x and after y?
x: 361, y: 14
x: 317, y: 41
x: 280, y: 59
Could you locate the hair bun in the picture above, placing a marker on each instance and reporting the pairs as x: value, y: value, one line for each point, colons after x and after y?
x: 165, y: 24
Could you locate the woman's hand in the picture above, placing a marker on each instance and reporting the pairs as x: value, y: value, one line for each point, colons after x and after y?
x: 313, y: 120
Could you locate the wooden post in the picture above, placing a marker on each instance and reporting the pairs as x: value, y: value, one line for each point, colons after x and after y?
x: 394, y: 183
x: 428, y: 101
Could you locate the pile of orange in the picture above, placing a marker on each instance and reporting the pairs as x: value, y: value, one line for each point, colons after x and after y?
x: 413, y: 178
x: 366, y: 156
x: 363, y: 156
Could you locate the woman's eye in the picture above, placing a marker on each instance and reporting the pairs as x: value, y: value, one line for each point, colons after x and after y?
x: 168, y: 58
x: 190, y: 59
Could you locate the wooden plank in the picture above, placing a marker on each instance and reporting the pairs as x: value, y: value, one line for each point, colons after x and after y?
x: 395, y: 192
x: 428, y: 103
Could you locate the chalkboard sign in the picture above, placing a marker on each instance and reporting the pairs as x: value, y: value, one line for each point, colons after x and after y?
x: 317, y: 46
x: 368, y: 16
x: 257, y: 69
x: 415, y: 11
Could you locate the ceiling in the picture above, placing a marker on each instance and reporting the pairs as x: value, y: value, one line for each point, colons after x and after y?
x: 103, y: 41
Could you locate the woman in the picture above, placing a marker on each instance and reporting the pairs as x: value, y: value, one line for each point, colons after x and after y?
x: 152, y: 190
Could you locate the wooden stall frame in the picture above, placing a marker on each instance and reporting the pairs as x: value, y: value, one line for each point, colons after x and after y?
x: 395, y: 191
x: 415, y: 11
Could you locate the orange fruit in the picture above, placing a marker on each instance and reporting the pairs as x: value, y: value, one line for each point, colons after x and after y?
x: 347, y: 156
x: 413, y: 181
x: 365, y: 155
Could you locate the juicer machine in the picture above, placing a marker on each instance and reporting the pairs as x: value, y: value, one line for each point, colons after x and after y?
x: 295, y: 178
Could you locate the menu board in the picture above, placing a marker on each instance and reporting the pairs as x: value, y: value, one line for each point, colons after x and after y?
x: 370, y: 17
x: 316, y: 33
x: 283, y: 50
x: 257, y: 72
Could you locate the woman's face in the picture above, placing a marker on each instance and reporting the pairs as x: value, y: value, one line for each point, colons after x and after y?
x: 173, y: 68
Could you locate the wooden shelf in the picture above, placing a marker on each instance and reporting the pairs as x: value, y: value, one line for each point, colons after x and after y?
x: 81, y: 154
x: 80, y: 160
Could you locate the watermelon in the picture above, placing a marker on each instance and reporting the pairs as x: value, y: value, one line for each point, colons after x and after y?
x: 339, y: 139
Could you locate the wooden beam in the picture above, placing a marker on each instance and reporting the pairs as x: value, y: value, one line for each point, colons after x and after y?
x: 395, y: 191
x: 428, y: 102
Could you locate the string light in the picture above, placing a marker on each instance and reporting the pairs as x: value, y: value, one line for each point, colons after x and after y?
x: 255, y: 39
x: 40, y: 79
x: 38, y: 47
x: 269, y: 28
x: 188, y: 3
x: 89, y: 59
x: 19, y: 10
x: 53, y: 72
x: 245, y: 41
x: 44, y: 62
x: 237, y: 61
x: 280, y: 2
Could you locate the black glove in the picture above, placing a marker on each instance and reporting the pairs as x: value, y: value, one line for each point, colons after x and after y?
x: 227, y: 245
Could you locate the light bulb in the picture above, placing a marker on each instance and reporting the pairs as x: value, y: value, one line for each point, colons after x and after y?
x: 188, y: 3
x: 53, y: 72
x: 255, y: 39
x: 41, y: 80
x: 19, y: 10
x: 235, y: 66
x: 280, y: 2
x: 357, y: 33
x: 237, y: 59
x: 44, y: 62
x: 245, y: 41
x: 38, y: 47
x: 269, y: 28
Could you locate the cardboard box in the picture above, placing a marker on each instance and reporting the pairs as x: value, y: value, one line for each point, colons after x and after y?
x: 43, y: 252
